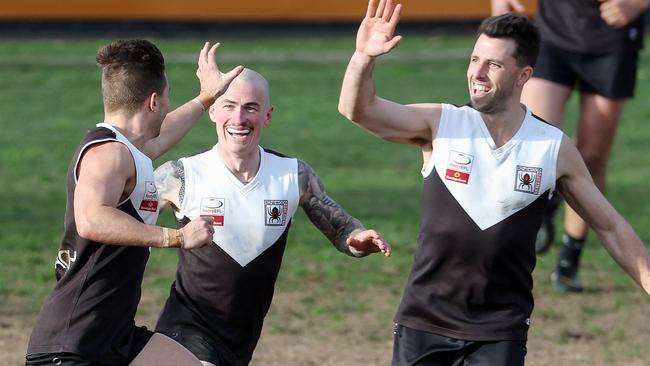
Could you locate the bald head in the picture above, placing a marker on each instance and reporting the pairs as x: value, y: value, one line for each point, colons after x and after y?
x: 257, y: 81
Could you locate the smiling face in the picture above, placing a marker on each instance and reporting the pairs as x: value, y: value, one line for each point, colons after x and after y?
x: 241, y: 113
x: 493, y: 76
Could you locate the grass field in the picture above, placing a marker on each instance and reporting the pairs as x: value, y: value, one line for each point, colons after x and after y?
x: 329, y: 309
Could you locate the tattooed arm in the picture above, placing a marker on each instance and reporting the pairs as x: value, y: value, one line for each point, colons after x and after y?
x: 170, y: 183
x: 344, y: 231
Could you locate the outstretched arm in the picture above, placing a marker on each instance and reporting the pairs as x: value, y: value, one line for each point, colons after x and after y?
x: 616, y: 235
x: 344, y: 231
x: 358, y: 101
x: 178, y: 122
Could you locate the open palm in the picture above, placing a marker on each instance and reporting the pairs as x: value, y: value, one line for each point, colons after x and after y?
x: 375, y: 36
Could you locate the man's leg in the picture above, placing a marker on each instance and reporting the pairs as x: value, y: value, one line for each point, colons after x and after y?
x: 547, y: 100
x: 599, y: 117
x: 164, y: 351
x: 502, y: 353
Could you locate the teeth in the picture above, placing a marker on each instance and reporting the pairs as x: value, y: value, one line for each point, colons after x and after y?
x: 479, y: 87
x: 243, y: 131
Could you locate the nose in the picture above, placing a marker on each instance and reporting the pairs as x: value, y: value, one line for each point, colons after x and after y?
x: 237, y: 115
x: 479, y: 70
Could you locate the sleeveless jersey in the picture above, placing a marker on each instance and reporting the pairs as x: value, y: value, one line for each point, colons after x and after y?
x: 223, y: 291
x: 576, y: 26
x: 91, y: 310
x: 481, y: 209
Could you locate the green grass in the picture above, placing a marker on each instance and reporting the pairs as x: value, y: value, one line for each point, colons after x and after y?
x: 49, y: 96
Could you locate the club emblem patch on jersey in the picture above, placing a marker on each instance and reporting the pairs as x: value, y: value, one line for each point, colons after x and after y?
x: 150, y: 199
x: 275, y: 212
x: 459, y: 167
x: 528, y: 179
x: 215, y: 208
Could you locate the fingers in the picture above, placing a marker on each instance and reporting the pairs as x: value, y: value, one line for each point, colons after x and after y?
x: 203, y: 54
x: 394, y: 16
x: 392, y: 43
x: 212, y: 59
x: 372, y: 7
x: 369, y: 241
x: 380, y: 9
x: 388, y: 11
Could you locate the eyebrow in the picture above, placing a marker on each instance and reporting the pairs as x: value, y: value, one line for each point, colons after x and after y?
x: 228, y: 101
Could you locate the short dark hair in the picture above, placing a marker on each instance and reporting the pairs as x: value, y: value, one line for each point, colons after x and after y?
x: 131, y: 71
x: 518, y: 28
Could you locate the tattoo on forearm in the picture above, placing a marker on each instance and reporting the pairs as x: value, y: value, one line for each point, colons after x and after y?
x: 327, y: 215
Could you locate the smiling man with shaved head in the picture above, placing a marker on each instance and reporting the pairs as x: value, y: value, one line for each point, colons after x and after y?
x: 222, y: 292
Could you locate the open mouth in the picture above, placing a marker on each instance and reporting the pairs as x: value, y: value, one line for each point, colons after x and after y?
x: 239, y: 133
x: 480, y: 89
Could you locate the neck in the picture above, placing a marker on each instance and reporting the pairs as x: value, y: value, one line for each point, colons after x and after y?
x: 243, y: 165
x: 133, y: 127
x: 503, y: 125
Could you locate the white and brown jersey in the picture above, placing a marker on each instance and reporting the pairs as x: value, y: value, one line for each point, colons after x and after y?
x: 224, y: 290
x: 90, y: 312
x: 481, y: 209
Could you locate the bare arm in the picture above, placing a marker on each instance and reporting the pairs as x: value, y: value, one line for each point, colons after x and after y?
x: 106, y: 176
x: 178, y: 122
x: 617, y: 236
x: 358, y: 101
x: 619, y: 13
x: 170, y: 183
x: 506, y: 6
x: 344, y: 231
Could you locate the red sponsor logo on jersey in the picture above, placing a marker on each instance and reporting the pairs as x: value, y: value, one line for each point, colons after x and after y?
x: 456, y: 176
x: 150, y: 200
x: 215, y: 208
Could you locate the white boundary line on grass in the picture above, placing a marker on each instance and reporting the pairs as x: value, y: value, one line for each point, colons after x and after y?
x: 241, y: 57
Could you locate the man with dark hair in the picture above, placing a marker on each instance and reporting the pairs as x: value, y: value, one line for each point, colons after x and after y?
x: 594, y: 46
x: 223, y: 291
x: 491, y: 169
x: 111, y: 211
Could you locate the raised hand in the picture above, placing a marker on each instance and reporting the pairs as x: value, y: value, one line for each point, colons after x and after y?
x: 197, y: 233
x: 505, y: 6
x: 619, y: 13
x: 213, y: 82
x: 369, y: 241
x: 376, y: 33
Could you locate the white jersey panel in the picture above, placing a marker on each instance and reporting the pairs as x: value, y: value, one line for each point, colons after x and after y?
x: 144, y: 197
x: 248, y: 218
x: 492, y: 183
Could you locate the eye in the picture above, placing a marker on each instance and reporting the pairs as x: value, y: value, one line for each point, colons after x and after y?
x: 494, y: 65
x: 251, y: 109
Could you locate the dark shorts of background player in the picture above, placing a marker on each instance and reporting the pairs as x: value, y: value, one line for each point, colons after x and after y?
x: 203, y: 349
x: 140, y: 339
x: 611, y: 75
x: 416, y: 348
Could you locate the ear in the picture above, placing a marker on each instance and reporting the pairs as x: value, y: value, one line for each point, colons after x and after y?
x: 525, y: 75
x: 269, y: 116
x: 212, y: 113
x: 152, y: 102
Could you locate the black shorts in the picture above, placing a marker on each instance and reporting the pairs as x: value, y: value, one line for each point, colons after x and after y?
x: 141, y: 337
x: 612, y: 75
x: 203, y: 348
x: 416, y: 348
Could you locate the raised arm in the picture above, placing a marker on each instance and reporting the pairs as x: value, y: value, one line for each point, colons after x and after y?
x: 105, y: 178
x: 178, y: 122
x: 616, y: 235
x: 358, y: 101
x: 344, y: 231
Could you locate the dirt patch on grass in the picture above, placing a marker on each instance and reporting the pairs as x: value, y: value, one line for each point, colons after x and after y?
x: 321, y: 325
